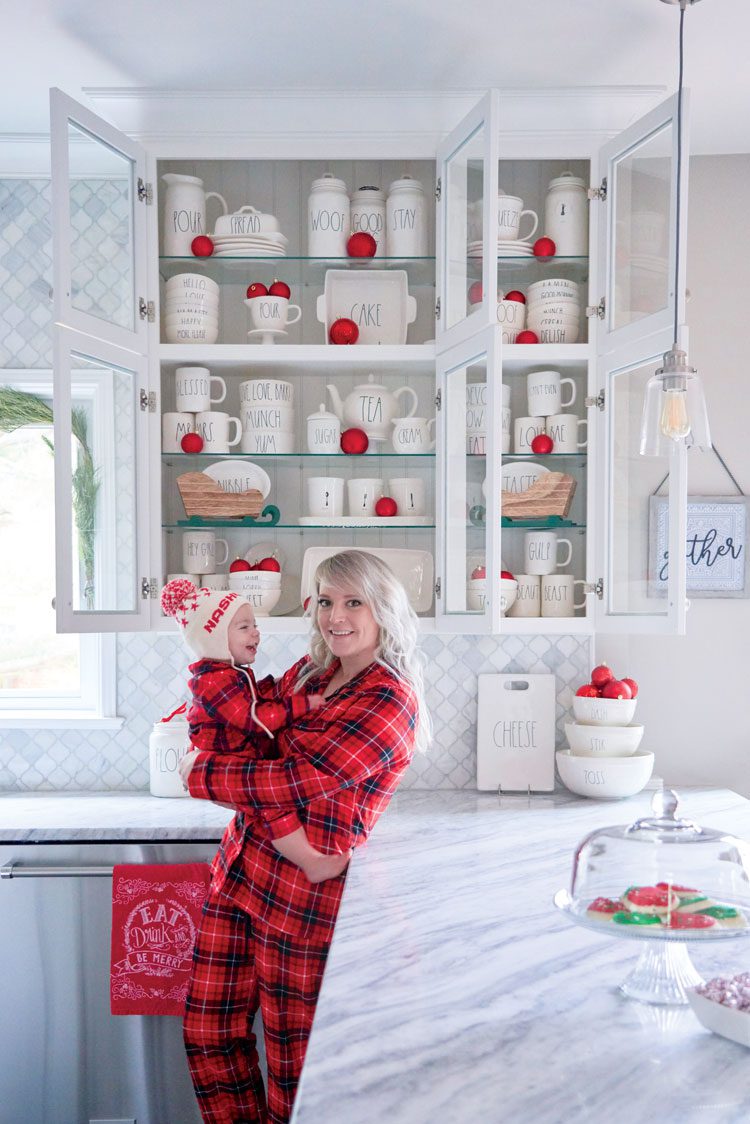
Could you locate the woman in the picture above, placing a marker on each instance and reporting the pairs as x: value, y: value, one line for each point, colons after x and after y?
x: 266, y: 930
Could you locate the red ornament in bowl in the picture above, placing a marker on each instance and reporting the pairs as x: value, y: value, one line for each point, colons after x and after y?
x: 361, y: 245
x: 343, y: 331
x: 270, y: 563
x: 279, y: 289
x: 257, y: 289
x: 542, y: 444
x: 515, y: 295
x: 240, y: 565
x: 354, y: 441
x: 527, y: 337
x: 544, y: 248
x: 386, y: 507
x: 191, y: 443
x: 202, y: 246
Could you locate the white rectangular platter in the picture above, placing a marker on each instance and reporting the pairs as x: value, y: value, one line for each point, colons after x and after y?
x: 377, y: 301
x: 516, y: 733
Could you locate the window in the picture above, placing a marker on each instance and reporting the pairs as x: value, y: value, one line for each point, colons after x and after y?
x: 46, y: 678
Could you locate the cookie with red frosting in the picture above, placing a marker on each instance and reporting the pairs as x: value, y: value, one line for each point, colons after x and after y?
x: 688, y: 921
x: 603, y: 909
x: 650, y: 899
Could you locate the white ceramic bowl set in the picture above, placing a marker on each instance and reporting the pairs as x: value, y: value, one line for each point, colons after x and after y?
x: 262, y: 588
x: 191, y: 309
x: 476, y: 594
x: 603, y: 761
x: 476, y: 425
x: 553, y: 310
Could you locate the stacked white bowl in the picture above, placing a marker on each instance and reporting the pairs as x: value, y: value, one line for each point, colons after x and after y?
x: 553, y: 310
x: 191, y: 309
x: 262, y: 588
x: 603, y: 761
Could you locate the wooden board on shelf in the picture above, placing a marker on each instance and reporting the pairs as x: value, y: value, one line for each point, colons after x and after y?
x: 202, y: 496
x: 551, y: 494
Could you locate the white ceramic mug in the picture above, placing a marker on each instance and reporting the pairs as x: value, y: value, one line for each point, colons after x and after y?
x: 325, y: 495
x: 563, y: 429
x: 544, y: 392
x: 506, y: 419
x: 219, y: 582
x: 528, y: 596
x: 192, y: 389
x: 558, y: 593
x: 199, y: 552
x: 266, y: 392
x: 362, y: 494
x: 264, y: 441
x: 540, y: 552
x: 476, y: 444
x: 173, y: 428
x: 475, y: 419
x: 509, y: 214
x: 272, y: 313
x: 524, y: 432
x: 476, y: 395
x: 409, y: 494
x: 267, y: 417
x: 213, y: 426
x: 413, y: 435
x: 505, y: 442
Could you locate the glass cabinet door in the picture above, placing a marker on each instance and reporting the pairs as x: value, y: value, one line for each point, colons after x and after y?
x: 99, y: 230
x: 642, y: 506
x: 637, y: 229
x: 467, y: 225
x: 469, y: 471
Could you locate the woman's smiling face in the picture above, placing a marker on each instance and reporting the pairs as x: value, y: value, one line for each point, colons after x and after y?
x: 347, y: 625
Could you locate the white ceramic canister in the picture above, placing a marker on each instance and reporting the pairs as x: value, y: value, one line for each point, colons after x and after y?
x: 168, y: 743
x: 328, y: 224
x: 368, y: 214
x: 405, y: 219
x: 566, y: 216
x: 184, y: 212
x: 323, y: 432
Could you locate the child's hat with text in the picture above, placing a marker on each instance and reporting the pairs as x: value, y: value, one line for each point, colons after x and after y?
x: 203, y: 615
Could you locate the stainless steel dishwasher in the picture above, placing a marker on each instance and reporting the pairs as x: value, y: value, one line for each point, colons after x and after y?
x: 63, y: 1058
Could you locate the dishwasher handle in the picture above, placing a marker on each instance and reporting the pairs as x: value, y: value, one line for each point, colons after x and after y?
x: 20, y: 870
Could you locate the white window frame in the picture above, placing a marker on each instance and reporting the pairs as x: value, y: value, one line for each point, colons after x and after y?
x: 94, y: 707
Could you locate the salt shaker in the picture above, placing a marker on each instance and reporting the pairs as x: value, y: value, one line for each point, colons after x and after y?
x: 327, y: 218
x: 566, y: 216
x: 406, y: 228
x: 368, y: 214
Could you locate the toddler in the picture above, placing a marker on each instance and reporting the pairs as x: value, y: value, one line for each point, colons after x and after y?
x: 230, y: 712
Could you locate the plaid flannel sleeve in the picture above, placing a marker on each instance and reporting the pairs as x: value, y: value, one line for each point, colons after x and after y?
x: 372, y: 733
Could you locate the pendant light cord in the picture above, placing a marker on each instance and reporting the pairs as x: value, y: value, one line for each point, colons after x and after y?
x: 683, y: 4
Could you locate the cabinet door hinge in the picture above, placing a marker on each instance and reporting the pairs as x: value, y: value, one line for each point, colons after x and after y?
x: 438, y: 588
x: 596, y: 587
x: 597, y: 401
x: 597, y: 309
x: 146, y: 310
x: 439, y: 189
x: 148, y: 400
x: 599, y: 192
x: 145, y: 192
x: 439, y: 400
x: 149, y: 588
x: 437, y: 309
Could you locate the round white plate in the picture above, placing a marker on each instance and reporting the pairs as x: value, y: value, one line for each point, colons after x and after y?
x: 519, y: 476
x: 233, y: 477
x: 266, y: 550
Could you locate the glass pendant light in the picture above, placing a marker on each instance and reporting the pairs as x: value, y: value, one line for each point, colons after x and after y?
x: 674, y: 409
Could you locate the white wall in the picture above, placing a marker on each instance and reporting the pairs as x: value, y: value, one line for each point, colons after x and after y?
x: 695, y: 689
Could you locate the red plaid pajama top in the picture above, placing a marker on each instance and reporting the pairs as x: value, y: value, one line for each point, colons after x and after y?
x: 339, y: 767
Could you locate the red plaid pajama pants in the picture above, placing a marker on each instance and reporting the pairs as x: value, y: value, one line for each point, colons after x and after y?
x: 238, y: 965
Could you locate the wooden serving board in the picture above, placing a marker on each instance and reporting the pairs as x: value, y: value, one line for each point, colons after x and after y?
x: 202, y: 496
x: 551, y: 494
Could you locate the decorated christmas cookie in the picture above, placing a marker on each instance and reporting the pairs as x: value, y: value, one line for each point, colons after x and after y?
x: 630, y: 917
x: 603, y: 909
x: 666, y: 906
x: 650, y: 899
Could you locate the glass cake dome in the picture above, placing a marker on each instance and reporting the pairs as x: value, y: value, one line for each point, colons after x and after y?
x: 663, y: 880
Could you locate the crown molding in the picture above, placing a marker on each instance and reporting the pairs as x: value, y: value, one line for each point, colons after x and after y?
x: 152, y: 93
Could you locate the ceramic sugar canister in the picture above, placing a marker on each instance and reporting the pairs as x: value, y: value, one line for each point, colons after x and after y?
x: 323, y: 432
x: 328, y: 220
x: 566, y: 215
x: 167, y: 745
x: 406, y: 225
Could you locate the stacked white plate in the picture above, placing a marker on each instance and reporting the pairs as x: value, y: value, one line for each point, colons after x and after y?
x: 270, y: 245
x: 191, y: 309
x: 553, y: 310
x: 505, y: 249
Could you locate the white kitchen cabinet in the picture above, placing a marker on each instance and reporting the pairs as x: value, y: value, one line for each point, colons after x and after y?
x: 451, y: 343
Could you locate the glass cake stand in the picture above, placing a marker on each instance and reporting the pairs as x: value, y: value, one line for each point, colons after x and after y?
x: 676, y: 854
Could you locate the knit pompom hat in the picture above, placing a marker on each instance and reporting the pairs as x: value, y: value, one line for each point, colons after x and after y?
x: 204, y: 616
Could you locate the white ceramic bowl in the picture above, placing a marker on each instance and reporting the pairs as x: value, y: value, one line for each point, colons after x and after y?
x: 192, y: 320
x: 254, y: 581
x: 203, y: 302
x: 508, y: 593
x: 559, y: 335
x: 726, y: 1021
x: 604, y: 712
x: 191, y: 283
x: 263, y: 600
x: 553, y: 287
x: 476, y: 593
x: 603, y: 741
x: 191, y: 335
x: 258, y: 442
x: 608, y: 778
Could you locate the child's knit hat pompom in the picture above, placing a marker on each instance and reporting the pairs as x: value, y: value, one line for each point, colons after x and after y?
x: 175, y: 594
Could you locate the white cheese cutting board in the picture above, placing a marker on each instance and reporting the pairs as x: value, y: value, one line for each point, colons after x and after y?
x: 516, y: 733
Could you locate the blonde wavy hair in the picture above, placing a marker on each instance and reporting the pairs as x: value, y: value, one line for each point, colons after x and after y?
x: 380, y: 589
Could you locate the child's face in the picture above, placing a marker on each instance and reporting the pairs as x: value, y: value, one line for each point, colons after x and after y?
x: 243, y: 636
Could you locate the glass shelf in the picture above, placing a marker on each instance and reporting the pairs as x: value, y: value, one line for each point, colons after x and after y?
x: 293, y: 270
x: 531, y: 456
x: 533, y: 269
x: 170, y: 458
x: 265, y: 525
x: 549, y: 522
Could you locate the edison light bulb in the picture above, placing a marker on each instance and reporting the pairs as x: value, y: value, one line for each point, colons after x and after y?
x: 674, y: 422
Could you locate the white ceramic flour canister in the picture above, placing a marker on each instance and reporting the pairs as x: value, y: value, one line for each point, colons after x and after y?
x: 566, y: 216
x: 184, y: 212
x: 328, y: 224
x: 323, y: 432
x: 168, y: 743
x: 405, y: 220
x: 368, y: 214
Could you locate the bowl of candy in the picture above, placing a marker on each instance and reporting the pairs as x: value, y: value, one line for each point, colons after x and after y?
x: 723, y: 1006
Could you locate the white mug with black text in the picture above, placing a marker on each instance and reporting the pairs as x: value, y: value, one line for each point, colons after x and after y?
x: 544, y: 393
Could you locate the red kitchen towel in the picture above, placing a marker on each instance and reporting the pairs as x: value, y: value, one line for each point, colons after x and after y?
x: 155, y: 911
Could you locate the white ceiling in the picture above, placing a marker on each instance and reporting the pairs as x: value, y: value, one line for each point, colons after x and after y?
x: 379, y: 44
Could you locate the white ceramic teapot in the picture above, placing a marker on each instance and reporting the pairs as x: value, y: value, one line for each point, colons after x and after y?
x: 371, y: 407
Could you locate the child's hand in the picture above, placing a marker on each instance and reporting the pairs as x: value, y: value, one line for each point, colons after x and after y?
x: 326, y: 866
x: 315, y: 701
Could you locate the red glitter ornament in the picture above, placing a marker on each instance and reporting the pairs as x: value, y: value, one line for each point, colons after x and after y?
x: 361, y: 245
x: 354, y: 441
x: 239, y: 566
x: 544, y: 248
x: 542, y: 443
x: 191, y: 443
x: 343, y: 330
x: 527, y: 337
x: 279, y: 289
x: 202, y: 246
x: 386, y: 507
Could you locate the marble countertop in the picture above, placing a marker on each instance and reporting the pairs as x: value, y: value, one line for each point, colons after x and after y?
x: 455, y: 993
x: 108, y: 817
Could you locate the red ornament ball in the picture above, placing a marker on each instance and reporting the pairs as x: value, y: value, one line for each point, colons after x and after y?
x: 515, y: 295
x: 527, y: 337
x: 633, y: 686
x: 257, y: 289
x: 601, y: 676
x: 354, y: 441
x: 239, y: 566
x: 191, y: 443
x: 588, y: 691
x: 616, y: 689
x: 343, y: 331
x: 544, y: 248
x: 542, y: 444
x: 279, y: 289
x: 361, y: 245
x: 478, y: 572
x: 202, y: 246
x: 386, y: 507
x: 270, y: 563
x: 475, y: 293
x: 507, y: 575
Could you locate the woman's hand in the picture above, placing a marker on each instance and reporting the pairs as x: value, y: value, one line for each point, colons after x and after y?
x: 185, y: 766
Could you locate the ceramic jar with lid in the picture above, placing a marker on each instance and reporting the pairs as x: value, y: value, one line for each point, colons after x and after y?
x: 566, y: 215
x: 328, y: 220
x: 368, y: 214
x: 167, y: 745
x: 323, y: 432
x: 406, y: 226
